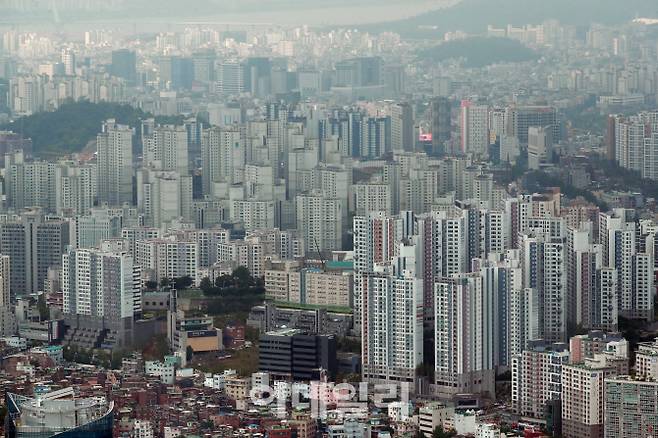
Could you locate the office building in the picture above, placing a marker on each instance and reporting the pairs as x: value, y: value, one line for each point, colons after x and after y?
x: 124, y: 65
x: 294, y: 355
x: 540, y: 146
x: 521, y: 118
x: 197, y: 332
x: 441, y: 114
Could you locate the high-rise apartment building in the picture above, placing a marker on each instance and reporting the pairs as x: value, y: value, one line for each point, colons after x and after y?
x: 223, y: 157
x: 102, y: 290
x: 168, y: 257
x: 115, y: 164
x: 320, y: 222
x: 75, y: 188
x: 474, y: 125
x: 583, y: 397
x: 402, y: 127
x: 166, y: 148
x: 68, y: 60
x: 33, y: 244
x: 537, y: 377
x: 163, y: 196
x: 464, y: 312
x: 631, y: 407
x: 545, y: 270
x: 392, y: 318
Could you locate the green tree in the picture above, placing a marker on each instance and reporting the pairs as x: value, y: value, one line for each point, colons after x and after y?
x: 440, y: 433
x: 183, y: 282
x: 241, y: 276
x: 205, y: 285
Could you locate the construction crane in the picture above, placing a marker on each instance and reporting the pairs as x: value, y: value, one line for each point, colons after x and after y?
x: 317, y: 248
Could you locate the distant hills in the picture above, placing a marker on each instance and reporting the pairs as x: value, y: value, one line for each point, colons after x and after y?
x: 475, y: 15
x: 480, y: 51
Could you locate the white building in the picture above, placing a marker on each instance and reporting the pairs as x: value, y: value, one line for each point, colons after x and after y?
x: 164, y: 196
x: 464, y: 336
x: 101, y: 283
x: 392, y: 319
x: 320, y: 222
x: 537, y: 377
x: 168, y: 257
x: 166, y: 148
x: 142, y: 429
x: 115, y: 164
x: 474, y: 125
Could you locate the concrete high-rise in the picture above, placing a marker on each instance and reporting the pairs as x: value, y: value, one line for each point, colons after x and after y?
x: 537, y: 377
x: 583, y: 396
x: 124, y: 65
x: 474, y: 125
x: 101, y: 289
x: 33, y: 245
x: 166, y: 148
x: 320, y: 222
x: 441, y: 114
x: 402, y: 127
x: 464, y: 336
x: 115, y: 164
x: 168, y: 258
x: 163, y: 196
x: 68, y: 60
x: 392, y: 318
x: 631, y: 407
x: 223, y: 156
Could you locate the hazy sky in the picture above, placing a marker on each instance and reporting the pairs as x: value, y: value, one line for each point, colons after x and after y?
x: 285, y: 12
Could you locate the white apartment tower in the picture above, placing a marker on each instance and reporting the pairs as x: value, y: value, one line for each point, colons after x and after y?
x: 474, y: 125
x: 464, y: 335
x: 167, y: 149
x: 115, y: 164
x: 392, y: 327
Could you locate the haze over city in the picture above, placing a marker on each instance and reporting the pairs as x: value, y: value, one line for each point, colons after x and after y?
x: 328, y: 219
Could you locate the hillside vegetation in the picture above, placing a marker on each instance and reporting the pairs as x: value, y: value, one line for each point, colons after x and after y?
x: 480, y: 52
x: 475, y: 15
x: 73, y: 125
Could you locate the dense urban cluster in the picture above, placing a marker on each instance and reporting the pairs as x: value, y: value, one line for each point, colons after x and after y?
x: 217, y: 231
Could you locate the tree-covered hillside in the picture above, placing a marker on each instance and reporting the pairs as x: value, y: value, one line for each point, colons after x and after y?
x: 475, y: 15
x: 480, y: 52
x: 73, y: 125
